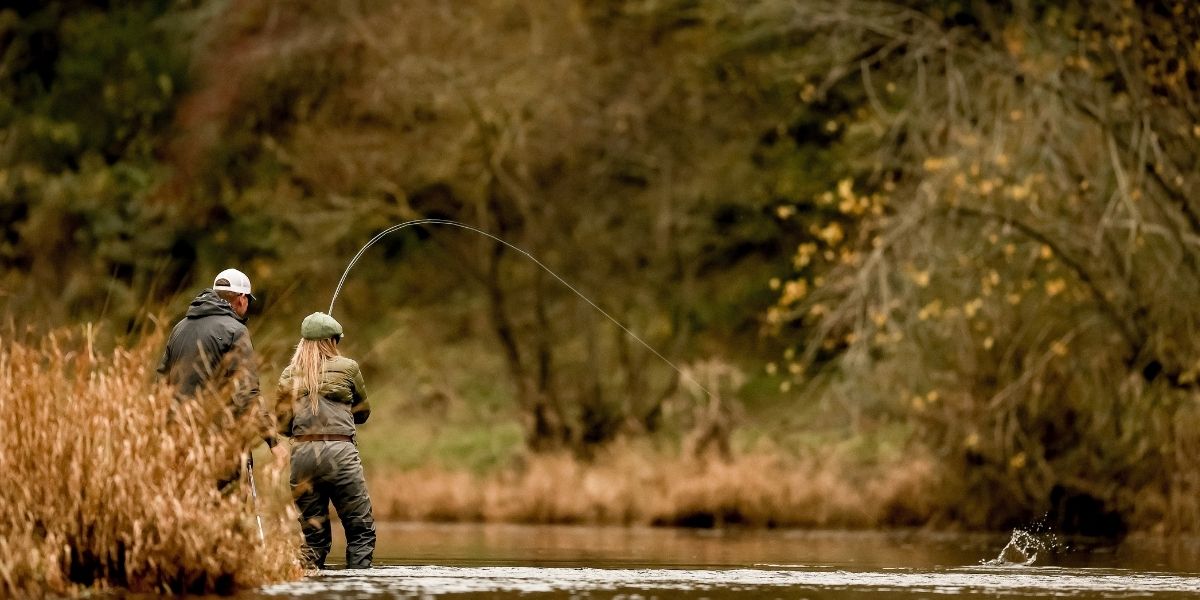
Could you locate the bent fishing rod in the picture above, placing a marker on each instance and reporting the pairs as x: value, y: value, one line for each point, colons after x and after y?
x: 450, y: 223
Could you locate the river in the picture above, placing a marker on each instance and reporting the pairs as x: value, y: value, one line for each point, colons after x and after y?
x: 511, y: 561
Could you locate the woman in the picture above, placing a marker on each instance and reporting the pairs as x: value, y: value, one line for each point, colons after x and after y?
x: 321, y: 397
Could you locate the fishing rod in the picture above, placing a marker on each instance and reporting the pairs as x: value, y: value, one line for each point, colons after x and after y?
x: 262, y: 538
x: 448, y: 222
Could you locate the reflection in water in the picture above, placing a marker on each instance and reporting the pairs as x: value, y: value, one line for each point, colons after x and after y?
x: 423, y: 560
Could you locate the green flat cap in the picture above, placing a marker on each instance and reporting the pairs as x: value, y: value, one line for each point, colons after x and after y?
x: 319, y: 326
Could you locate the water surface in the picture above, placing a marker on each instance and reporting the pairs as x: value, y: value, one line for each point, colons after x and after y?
x: 499, y: 561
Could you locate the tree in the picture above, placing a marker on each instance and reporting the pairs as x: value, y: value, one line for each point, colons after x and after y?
x: 1034, y: 263
x: 86, y: 95
x: 598, y: 137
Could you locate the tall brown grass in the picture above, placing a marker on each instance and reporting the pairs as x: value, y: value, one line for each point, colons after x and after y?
x: 107, y: 483
x: 629, y: 485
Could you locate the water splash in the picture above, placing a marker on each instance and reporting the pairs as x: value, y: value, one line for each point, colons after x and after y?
x: 1025, y: 546
x: 447, y: 222
x: 1022, y: 549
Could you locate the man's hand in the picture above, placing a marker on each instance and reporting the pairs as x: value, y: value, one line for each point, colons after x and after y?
x: 279, y: 455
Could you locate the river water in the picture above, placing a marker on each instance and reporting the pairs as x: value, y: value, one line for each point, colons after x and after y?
x: 513, y: 561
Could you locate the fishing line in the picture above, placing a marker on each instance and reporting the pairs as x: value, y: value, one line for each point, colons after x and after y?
x: 399, y: 226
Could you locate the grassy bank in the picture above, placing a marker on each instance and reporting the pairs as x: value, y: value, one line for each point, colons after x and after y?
x: 630, y: 485
x: 445, y: 443
x: 106, y: 486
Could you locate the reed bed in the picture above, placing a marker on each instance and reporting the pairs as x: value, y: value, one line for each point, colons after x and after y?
x: 109, y: 483
x: 626, y: 485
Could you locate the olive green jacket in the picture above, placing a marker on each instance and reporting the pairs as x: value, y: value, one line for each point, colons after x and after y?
x: 342, y: 403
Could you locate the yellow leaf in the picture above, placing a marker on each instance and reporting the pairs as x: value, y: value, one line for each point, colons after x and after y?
x: 972, y: 307
x: 933, y: 309
x: 832, y: 234
x: 794, y: 291
x: 845, y: 189
x: 804, y: 255
x: 1055, y: 287
x: 1018, y: 462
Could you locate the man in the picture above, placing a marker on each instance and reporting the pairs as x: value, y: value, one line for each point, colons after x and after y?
x: 210, y: 350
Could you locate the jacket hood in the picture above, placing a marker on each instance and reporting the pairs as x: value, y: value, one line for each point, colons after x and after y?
x: 209, y: 304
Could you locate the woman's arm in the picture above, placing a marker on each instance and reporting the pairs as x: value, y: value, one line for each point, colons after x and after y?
x: 359, y: 407
x: 284, y: 413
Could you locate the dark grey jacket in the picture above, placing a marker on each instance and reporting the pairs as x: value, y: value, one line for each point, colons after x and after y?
x: 210, y: 348
x: 342, y: 405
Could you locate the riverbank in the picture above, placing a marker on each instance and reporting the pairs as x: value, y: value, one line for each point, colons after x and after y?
x: 630, y: 484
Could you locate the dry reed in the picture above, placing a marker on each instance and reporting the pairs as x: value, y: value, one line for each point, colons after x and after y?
x: 624, y: 485
x: 109, y: 483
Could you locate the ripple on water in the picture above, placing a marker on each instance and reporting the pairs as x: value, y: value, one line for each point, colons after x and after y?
x: 436, y: 580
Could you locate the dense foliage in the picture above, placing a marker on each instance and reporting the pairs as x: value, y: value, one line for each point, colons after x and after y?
x: 1028, y: 290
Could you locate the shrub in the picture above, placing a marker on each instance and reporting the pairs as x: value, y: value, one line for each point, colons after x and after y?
x: 109, y: 483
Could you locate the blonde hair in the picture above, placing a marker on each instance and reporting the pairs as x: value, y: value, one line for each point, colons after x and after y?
x: 308, y: 367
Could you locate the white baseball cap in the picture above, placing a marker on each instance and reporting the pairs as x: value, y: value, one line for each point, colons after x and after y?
x: 238, y: 283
